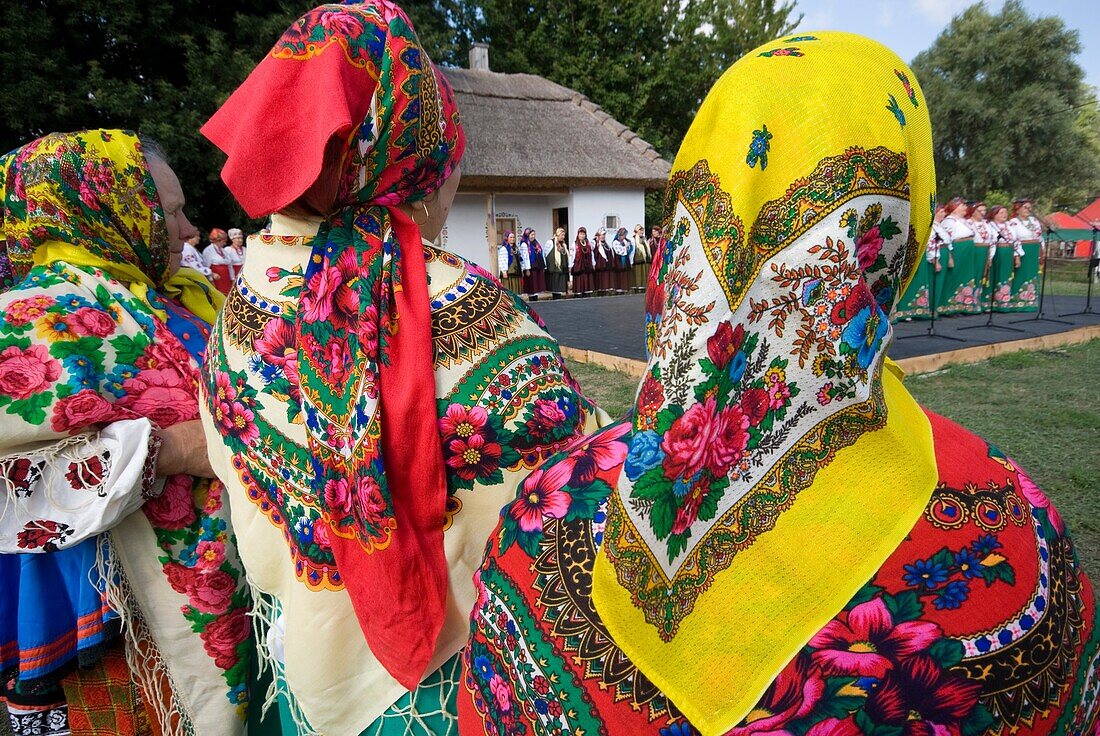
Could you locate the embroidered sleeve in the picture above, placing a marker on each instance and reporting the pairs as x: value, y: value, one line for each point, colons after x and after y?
x: 524, y: 257
x: 62, y: 494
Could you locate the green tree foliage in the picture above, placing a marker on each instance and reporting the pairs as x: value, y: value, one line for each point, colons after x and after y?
x: 649, y: 63
x: 162, y: 67
x: 1010, y: 110
x: 159, y: 66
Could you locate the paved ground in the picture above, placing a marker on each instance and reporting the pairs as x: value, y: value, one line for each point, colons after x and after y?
x: 614, y: 325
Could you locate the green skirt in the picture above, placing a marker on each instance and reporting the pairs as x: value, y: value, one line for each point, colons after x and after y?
x: 962, y: 290
x: 916, y: 301
x: 960, y: 281
x: 1018, y: 290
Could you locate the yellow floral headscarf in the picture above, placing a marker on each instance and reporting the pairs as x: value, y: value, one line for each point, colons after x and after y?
x: 775, y: 459
x: 87, y: 199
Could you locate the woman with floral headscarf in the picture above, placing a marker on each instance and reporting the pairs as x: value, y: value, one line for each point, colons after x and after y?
x: 111, y: 521
x: 777, y: 539
x: 532, y: 258
x: 372, y: 400
x: 508, y: 270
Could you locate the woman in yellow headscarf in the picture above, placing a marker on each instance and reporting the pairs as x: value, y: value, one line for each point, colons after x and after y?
x: 778, y: 539
x: 111, y: 521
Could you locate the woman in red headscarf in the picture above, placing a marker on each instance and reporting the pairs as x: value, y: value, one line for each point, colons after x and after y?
x: 367, y: 392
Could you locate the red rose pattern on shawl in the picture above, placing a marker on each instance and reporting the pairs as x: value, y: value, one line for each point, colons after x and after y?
x: 103, y: 367
x: 980, y: 622
x: 515, y: 407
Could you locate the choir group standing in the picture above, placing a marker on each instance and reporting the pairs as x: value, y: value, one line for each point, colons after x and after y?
x: 221, y: 260
x: 584, y: 267
x: 970, y: 248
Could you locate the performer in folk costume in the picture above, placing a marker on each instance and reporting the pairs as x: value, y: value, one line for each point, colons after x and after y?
x: 372, y: 400
x: 778, y: 539
x: 955, y: 225
x: 1025, y: 225
x: 939, y: 240
x: 508, y: 270
x: 584, y: 264
x: 622, y: 249
x: 604, y: 259
x: 985, y: 232
x: 532, y: 260
x: 1027, y: 258
x: 236, y: 245
x: 223, y: 260
x: 557, y: 264
x: 642, y: 258
x: 192, y: 258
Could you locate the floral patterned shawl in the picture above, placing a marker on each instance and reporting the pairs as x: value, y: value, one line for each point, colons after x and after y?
x: 775, y: 459
x: 83, y: 345
x: 356, y: 75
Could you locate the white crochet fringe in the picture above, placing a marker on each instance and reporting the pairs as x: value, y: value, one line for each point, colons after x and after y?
x: 149, y: 668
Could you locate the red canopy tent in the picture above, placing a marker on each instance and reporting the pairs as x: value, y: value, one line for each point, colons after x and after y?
x: 1091, y: 213
x: 1075, y: 229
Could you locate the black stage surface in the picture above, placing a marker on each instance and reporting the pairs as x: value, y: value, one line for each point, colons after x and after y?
x: 614, y: 325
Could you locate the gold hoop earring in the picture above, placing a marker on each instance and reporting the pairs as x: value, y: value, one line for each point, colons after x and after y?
x: 427, y: 215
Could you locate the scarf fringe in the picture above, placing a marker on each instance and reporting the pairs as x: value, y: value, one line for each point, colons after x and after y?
x: 150, y: 669
x: 449, y: 676
x: 265, y: 613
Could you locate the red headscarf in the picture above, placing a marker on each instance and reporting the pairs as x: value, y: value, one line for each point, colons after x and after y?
x: 356, y: 74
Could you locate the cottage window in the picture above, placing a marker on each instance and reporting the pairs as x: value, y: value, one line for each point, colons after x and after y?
x: 611, y: 222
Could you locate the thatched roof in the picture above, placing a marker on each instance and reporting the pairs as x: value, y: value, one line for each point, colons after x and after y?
x: 527, y: 133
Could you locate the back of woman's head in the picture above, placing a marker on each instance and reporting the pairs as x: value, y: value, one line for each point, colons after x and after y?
x: 89, y: 194
x: 345, y: 109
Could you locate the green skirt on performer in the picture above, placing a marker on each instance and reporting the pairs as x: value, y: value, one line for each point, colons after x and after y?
x: 960, y: 280
x: 1018, y: 289
x: 962, y: 289
x: 916, y: 302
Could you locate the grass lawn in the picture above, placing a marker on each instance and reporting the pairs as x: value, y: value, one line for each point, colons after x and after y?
x: 1042, y: 408
x: 1069, y: 278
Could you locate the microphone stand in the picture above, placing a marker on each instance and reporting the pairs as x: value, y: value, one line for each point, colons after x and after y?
x: 993, y: 273
x: 1043, y: 290
x: 1094, y: 261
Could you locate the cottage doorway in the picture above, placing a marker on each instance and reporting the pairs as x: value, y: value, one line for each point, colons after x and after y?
x: 506, y: 225
x: 561, y: 219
